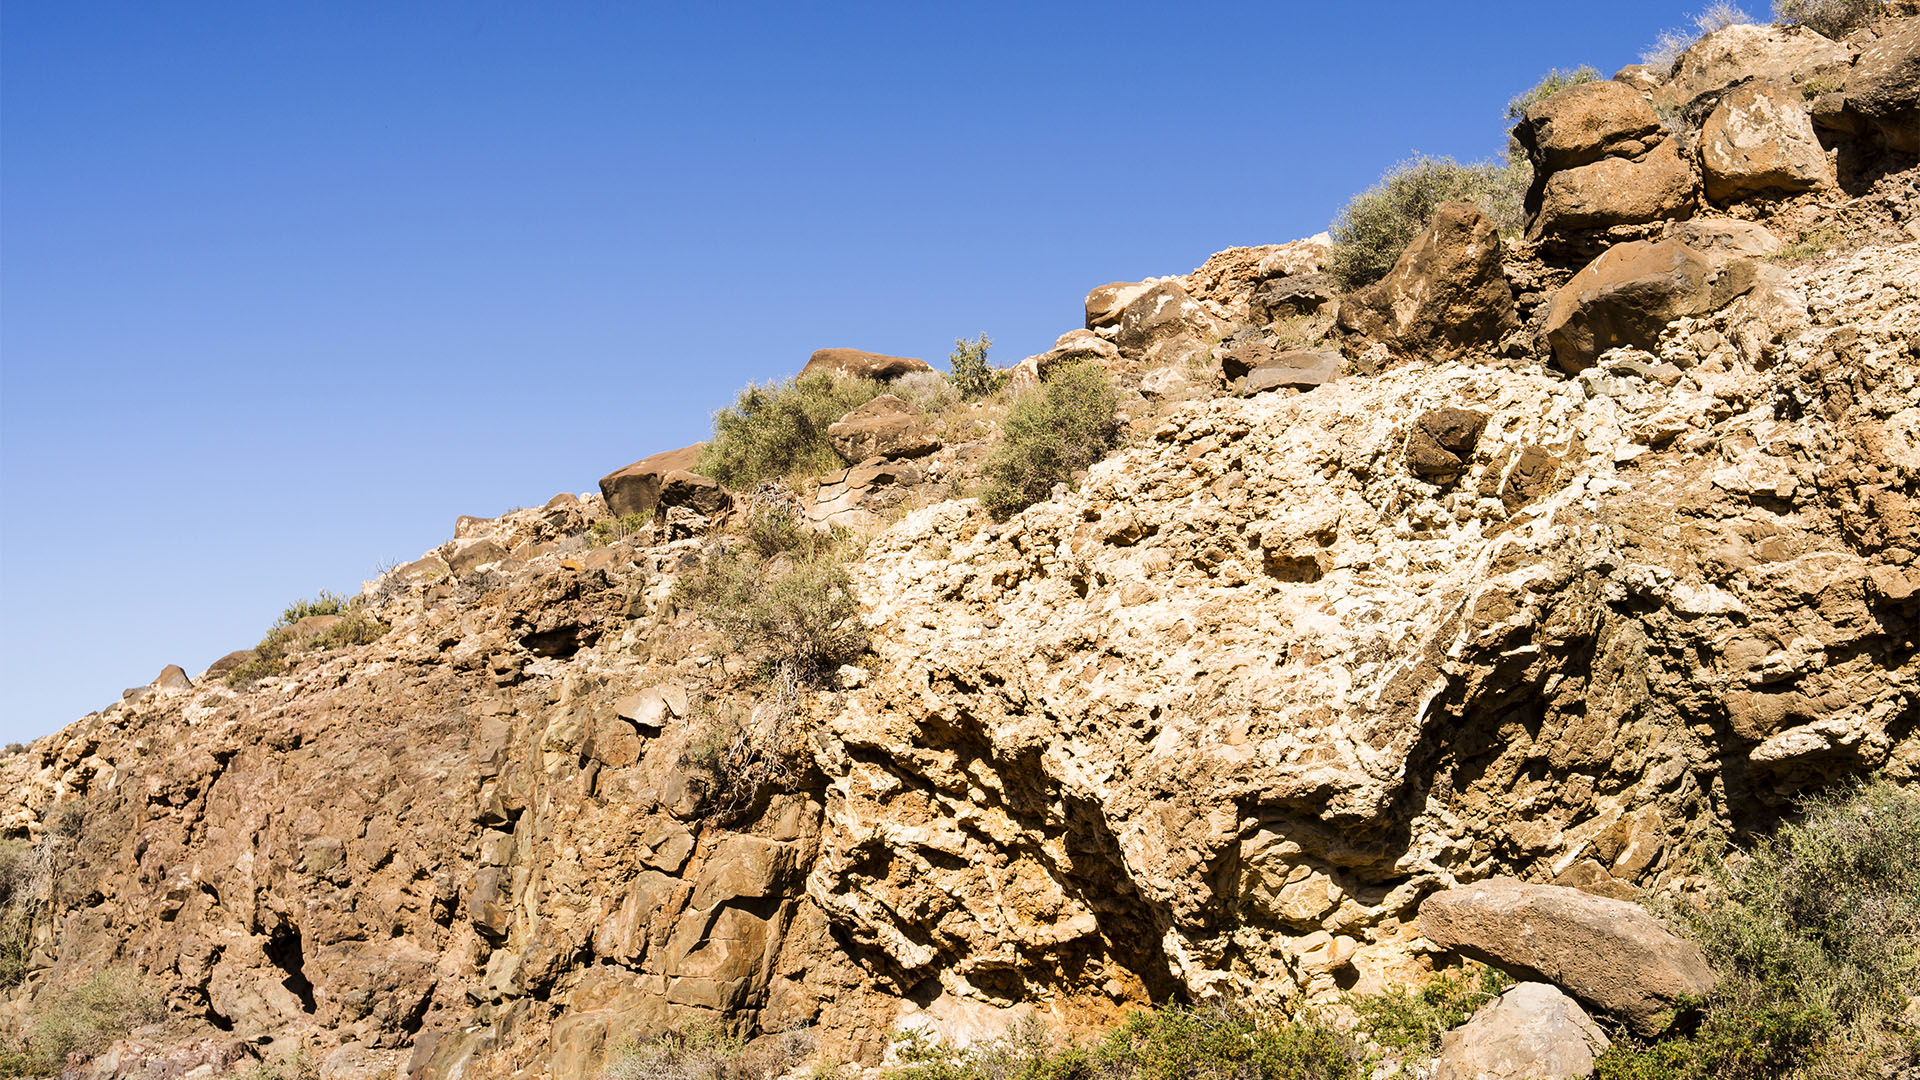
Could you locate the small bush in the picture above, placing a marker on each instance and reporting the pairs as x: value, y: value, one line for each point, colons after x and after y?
x: 737, y: 758
x: 1670, y: 45
x: 327, y: 603
x: 968, y: 368
x: 1817, y: 944
x: 703, y: 1050
x: 82, y: 1019
x: 1832, y: 18
x: 1379, y: 223
x: 275, y: 651
x: 1550, y: 84
x: 929, y: 391
x: 780, y: 429
x: 784, y: 601
x: 607, y: 530
x: 1410, y: 1022
x: 1048, y: 435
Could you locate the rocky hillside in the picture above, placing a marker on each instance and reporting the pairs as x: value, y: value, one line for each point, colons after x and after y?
x: 1565, y: 556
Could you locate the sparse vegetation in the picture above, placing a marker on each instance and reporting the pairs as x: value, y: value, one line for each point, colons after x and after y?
x: 607, y: 530
x: 703, y: 1050
x: 19, y: 865
x: 1409, y: 1022
x: 1550, y: 84
x: 1816, y: 937
x: 783, y: 600
x: 969, y: 370
x: 276, y: 650
x: 929, y: 391
x: 1379, y: 223
x: 1832, y: 18
x: 1048, y: 435
x: 780, y: 429
x: 81, y: 1019
x: 1671, y: 44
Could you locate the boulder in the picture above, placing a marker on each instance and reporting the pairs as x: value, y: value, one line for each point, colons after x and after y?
x: 886, y: 427
x: 1631, y: 292
x: 1445, y: 295
x: 862, y: 365
x: 1165, y: 323
x: 1298, y: 258
x: 1530, y: 1032
x: 1759, y: 138
x: 225, y: 666
x: 1609, y: 953
x: 1883, y: 89
x: 1724, y: 239
x: 689, y: 491
x: 1074, y: 345
x: 1584, y: 123
x: 636, y: 488
x: 1780, y: 54
x: 1105, y: 303
x: 862, y: 495
x: 172, y: 677
x: 1290, y: 297
x: 470, y: 555
x: 1613, y: 191
x: 1298, y: 369
x: 1441, y: 443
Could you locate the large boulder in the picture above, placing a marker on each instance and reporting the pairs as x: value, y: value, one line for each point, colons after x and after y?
x: 1883, y: 89
x: 1760, y: 138
x: 1780, y: 54
x: 1631, y: 292
x: 1613, y: 191
x: 1165, y: 323
x: 1070, y: 347
x: 1530, y: 1032
x: 1445, y: 295
x: 1105, y: 303
x: 1584, y: 123
x: 1294, y: 369
x: 1608, y: 953
x: 1289, y: 297
x: 862, y: 365
x: 886, y: 427
x: 665, y: 478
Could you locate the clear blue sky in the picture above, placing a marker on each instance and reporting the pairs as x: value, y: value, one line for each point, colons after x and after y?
x: 285, y: 287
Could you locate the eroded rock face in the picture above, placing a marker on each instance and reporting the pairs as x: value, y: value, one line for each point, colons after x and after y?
x: 1608, y: 953
x: 886, y: 427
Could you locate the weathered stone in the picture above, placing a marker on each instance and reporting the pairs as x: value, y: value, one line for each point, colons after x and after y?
x: 1759, y: 139
x: 703, y: 495
x: 1615, y: 191
x: 172, y: 677
x: 1441, y: 443
x: 1445, y: 295
x: 1584, y: 123
x: 1070, y: 347
x: 1297, y: 369
x: 1787, y: 55
x: 1165, y: 323
x: 1290, y: 297
x: 468, y: 556
x: 652, y: 708
x: 1722, y: 240
x: 636, y: 488
x: 1630, y: 293
x: 1883, y: 88
x: 225, y: 666
x: 886, y: 427
x: 861, y: 365
x: 1608, y: 953
x: 1532, y: 1031
x: 1105, y: 303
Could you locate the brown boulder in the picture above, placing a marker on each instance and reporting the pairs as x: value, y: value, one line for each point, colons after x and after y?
x: 1166, y: 323
x: 172, y: 677
x: 636, y: 488
x: 1631, y: 292
x: 1442, y: 443
x: 1781, y: 54
x: 1582, y: 124
x: 862, y: 365
x: 225, y: 666
x: 1610, y: 954
x: 1759, y: 138
x: 1614, y: 191
x: 1883, y: 89
x: 886, y: 427
x: 1298, y: 369
x: 1445, y: 294
x: 1105, y: 303
x: 1290, y: 297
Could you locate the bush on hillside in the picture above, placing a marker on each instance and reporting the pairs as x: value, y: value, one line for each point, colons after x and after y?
x: 1833, y: 18
x: 1409, y: 1022
x: 1550, y: 84
x: 607, y: 530
x: 703, y: 1050
x: 968, y: 368
x: 1670, y: 45
x: 1817, y: 944
x: 780, y: 429
x: 275, y: 651
x: 929, y: 391
x: 80, y: 1019
x: 1048, y: 435
x: 1379, y: 223
x: 784, y: 601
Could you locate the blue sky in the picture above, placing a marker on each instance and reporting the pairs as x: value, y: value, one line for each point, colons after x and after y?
x: 286, y: 287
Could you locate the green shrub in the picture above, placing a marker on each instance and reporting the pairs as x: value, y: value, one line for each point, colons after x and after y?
x: 1410, y: 1022
x: 1048, y: 435
x: 703, y: 1050
x: 275, y: 652
x: 1378, y: 224
x: 81, y: 1019
x: 967, y: 367
x: 327, y: 603
x: 607, y: 530
x: 780, y: 429
x: 1550, y: 84
x: 1832, y: 18
x: 1817, y: 945
x: 929, y: 391
x: 784, y: 601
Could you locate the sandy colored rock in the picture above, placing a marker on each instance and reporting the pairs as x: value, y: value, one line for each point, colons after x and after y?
x: 1532, y: 1031
x: 1759, y: 139
x: 1608, y: 953
x: 1784, y: 55
x: 1630, y: 293
x: 1445, y: 296
x: 1294, y: 369
x: 1584, y: 123
x: 1105, y: 303
x: 1165, y: 323
x: 1614, y: 191
x: 886, y: 427
x: 859, y: 364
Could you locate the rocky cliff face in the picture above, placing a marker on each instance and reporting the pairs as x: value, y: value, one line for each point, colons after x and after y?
x: 1211, y: 723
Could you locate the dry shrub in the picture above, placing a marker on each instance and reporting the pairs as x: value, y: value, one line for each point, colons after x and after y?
x: 1048, y: 435
x: 1832, y: 18
x: 780, y: 429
